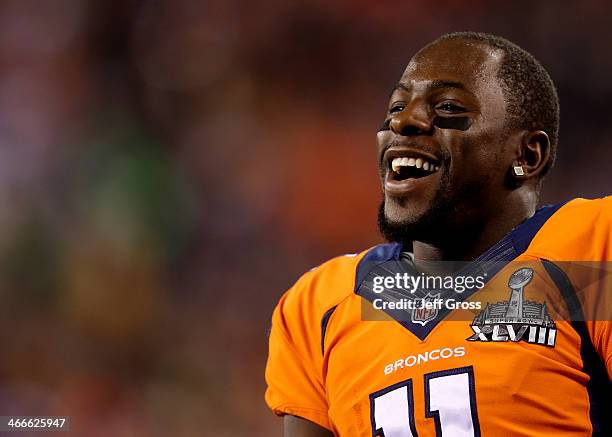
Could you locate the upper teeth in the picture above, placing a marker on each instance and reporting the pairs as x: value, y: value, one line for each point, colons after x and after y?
x: 397, y: 163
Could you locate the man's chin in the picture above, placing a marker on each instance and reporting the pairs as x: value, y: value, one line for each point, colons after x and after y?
x: 398, y: 213
x: 398, y: 224
x: 404, y: 223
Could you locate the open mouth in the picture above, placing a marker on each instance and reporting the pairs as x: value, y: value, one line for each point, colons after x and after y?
x: 403, y: 168
x: 409, y: 170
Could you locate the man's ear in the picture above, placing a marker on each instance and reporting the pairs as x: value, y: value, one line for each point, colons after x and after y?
x: 534, y: 154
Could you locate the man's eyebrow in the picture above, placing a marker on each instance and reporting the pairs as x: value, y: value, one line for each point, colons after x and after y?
x: 432, y: 86
x: 439, y: 84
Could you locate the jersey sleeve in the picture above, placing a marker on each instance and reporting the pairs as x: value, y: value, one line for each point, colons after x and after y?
x: 600, y: 325
x: 579, y: 240
x: 293, y: 371
x: 593, y: 280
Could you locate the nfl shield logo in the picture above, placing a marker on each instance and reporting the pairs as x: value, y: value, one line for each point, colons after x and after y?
x: 426, y: 309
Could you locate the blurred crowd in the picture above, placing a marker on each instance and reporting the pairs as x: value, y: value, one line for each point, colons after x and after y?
x: 169, y: 167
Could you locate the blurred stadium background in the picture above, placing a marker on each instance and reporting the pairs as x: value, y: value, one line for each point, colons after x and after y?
x: 170, y: 167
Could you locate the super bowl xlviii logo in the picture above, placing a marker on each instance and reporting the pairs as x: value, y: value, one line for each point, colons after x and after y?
x: 425, y: 309
x: 515, y: 319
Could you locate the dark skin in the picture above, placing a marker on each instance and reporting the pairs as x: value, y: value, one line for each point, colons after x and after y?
x: 297, y: 427
x: 449, y: 108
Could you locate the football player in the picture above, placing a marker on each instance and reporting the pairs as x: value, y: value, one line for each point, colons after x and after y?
x: 470, y: 132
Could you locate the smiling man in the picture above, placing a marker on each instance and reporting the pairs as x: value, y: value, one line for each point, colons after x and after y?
x: 470, y: 131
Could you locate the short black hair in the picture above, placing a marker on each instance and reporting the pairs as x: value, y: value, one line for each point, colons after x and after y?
x: 530, y: 94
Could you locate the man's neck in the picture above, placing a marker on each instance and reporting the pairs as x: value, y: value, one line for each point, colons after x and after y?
x: 469, y: 242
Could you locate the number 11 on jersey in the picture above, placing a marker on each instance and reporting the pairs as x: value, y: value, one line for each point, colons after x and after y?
x: 450, y: 399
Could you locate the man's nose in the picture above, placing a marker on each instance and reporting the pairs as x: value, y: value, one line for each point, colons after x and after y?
x: 412, y: 120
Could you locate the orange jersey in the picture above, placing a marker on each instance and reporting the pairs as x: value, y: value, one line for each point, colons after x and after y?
x: 526, y: 353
